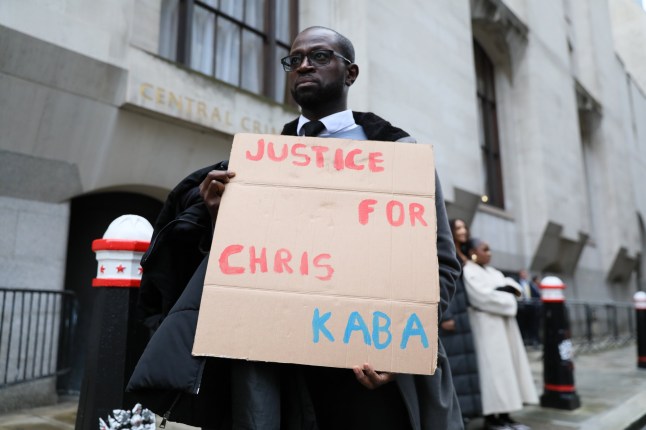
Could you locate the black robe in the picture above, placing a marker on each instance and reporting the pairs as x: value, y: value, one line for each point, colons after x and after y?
x: 212, y: 392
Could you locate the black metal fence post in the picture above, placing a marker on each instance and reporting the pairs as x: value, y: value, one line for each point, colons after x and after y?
x: 589, y: 318
x: 558, y: 367
x: 115, y: 340
x: 640, y: 311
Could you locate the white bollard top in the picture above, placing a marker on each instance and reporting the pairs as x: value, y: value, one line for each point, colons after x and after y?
x: 552, y: 282
x: 552, y: 289
x: 120, y: 250
x: 129, y: 227
x: 640, y: 300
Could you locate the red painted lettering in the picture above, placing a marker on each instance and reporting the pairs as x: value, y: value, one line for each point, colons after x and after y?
x: 259, y: 152
x: 395, y: 212
x: 258, y: 262
x: 253, y: 260
x: 389, y: 213
x: 416, y: 212
x: 329, y: 269
x: 319, y: 150
x: 338, y: 159
x: 299, y: 155
x: 373, y: 160
x: 366, y: 207
x: 295, y: 153
x: 224, y: 260
x: 305, y: 265
x: 272, y: 153
x: 281, y: 261
x: 349, y: 160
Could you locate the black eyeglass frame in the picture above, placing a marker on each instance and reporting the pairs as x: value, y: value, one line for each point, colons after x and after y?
x: 288, y: 67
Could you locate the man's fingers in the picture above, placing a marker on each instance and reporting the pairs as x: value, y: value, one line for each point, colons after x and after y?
x: 369, y: 371
x: 221, y: 175
x: 214, y: 183
x: 369, y: 378
x: 216, y: 187
x: 363, y: 378
x: 212, y: 188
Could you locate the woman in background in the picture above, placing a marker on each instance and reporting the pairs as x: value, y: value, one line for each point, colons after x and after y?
x: 461, y: 236
x: 455, y: 332
x: 506, y: 380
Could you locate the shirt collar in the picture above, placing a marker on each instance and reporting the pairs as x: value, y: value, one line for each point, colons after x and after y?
x: 334, y: 123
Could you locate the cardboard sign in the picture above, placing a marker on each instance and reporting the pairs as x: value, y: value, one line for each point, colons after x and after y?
x: 324, y: 253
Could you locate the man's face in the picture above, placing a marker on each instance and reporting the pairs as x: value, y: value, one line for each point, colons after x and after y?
x: 321, y: 85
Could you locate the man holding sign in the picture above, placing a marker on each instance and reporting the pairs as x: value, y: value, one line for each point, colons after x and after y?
x: 244, y: 394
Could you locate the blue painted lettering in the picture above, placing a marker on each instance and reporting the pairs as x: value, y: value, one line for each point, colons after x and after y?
x: 414, y: 328
x: 378, y: 328
x: 355, y: 322
x: 318, y: 325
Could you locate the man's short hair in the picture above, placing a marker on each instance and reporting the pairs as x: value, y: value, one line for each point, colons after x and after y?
x: 344, y: 45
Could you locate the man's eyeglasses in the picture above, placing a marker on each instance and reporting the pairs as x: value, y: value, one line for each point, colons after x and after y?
x: 319, y: 57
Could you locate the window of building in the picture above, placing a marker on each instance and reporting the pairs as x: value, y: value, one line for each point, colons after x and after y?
x: 488, y: 128
x: 237, y: 41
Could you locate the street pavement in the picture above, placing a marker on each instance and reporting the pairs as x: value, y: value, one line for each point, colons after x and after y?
x: 611, y: 388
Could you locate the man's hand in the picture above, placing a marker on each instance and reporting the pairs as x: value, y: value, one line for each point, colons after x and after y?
x: 212, y: 188
x: 369, y: 378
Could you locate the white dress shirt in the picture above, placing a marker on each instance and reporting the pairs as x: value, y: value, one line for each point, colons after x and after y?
x: 335, y: 123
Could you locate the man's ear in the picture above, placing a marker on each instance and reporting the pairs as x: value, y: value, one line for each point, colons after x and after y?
x: 352, y: 74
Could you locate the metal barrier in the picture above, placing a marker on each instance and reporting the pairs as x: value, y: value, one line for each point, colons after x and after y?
x: 599, y: 325
x: 36, y: 331
x: 594, y: 326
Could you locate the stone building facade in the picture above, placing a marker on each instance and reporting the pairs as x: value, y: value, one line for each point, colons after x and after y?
x: 536, y: 110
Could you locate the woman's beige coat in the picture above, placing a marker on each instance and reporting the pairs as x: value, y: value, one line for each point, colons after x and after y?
x: 505, y: 377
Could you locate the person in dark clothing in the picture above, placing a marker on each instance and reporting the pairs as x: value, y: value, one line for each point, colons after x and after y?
x: 529, y: 310
x: 455, y: 333
x: 236, y: 394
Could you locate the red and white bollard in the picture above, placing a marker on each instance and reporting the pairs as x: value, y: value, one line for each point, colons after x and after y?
x: 640, y: 310
x: 558, y: 367
x: 120, y: 250
x: 115, y: 341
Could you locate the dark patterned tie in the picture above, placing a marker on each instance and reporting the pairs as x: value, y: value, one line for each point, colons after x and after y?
x: 313, y: 128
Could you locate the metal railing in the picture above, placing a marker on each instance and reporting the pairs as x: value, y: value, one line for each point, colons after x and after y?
x: 595, y: 326
x: 36, y: 331
x: 600, y: 325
